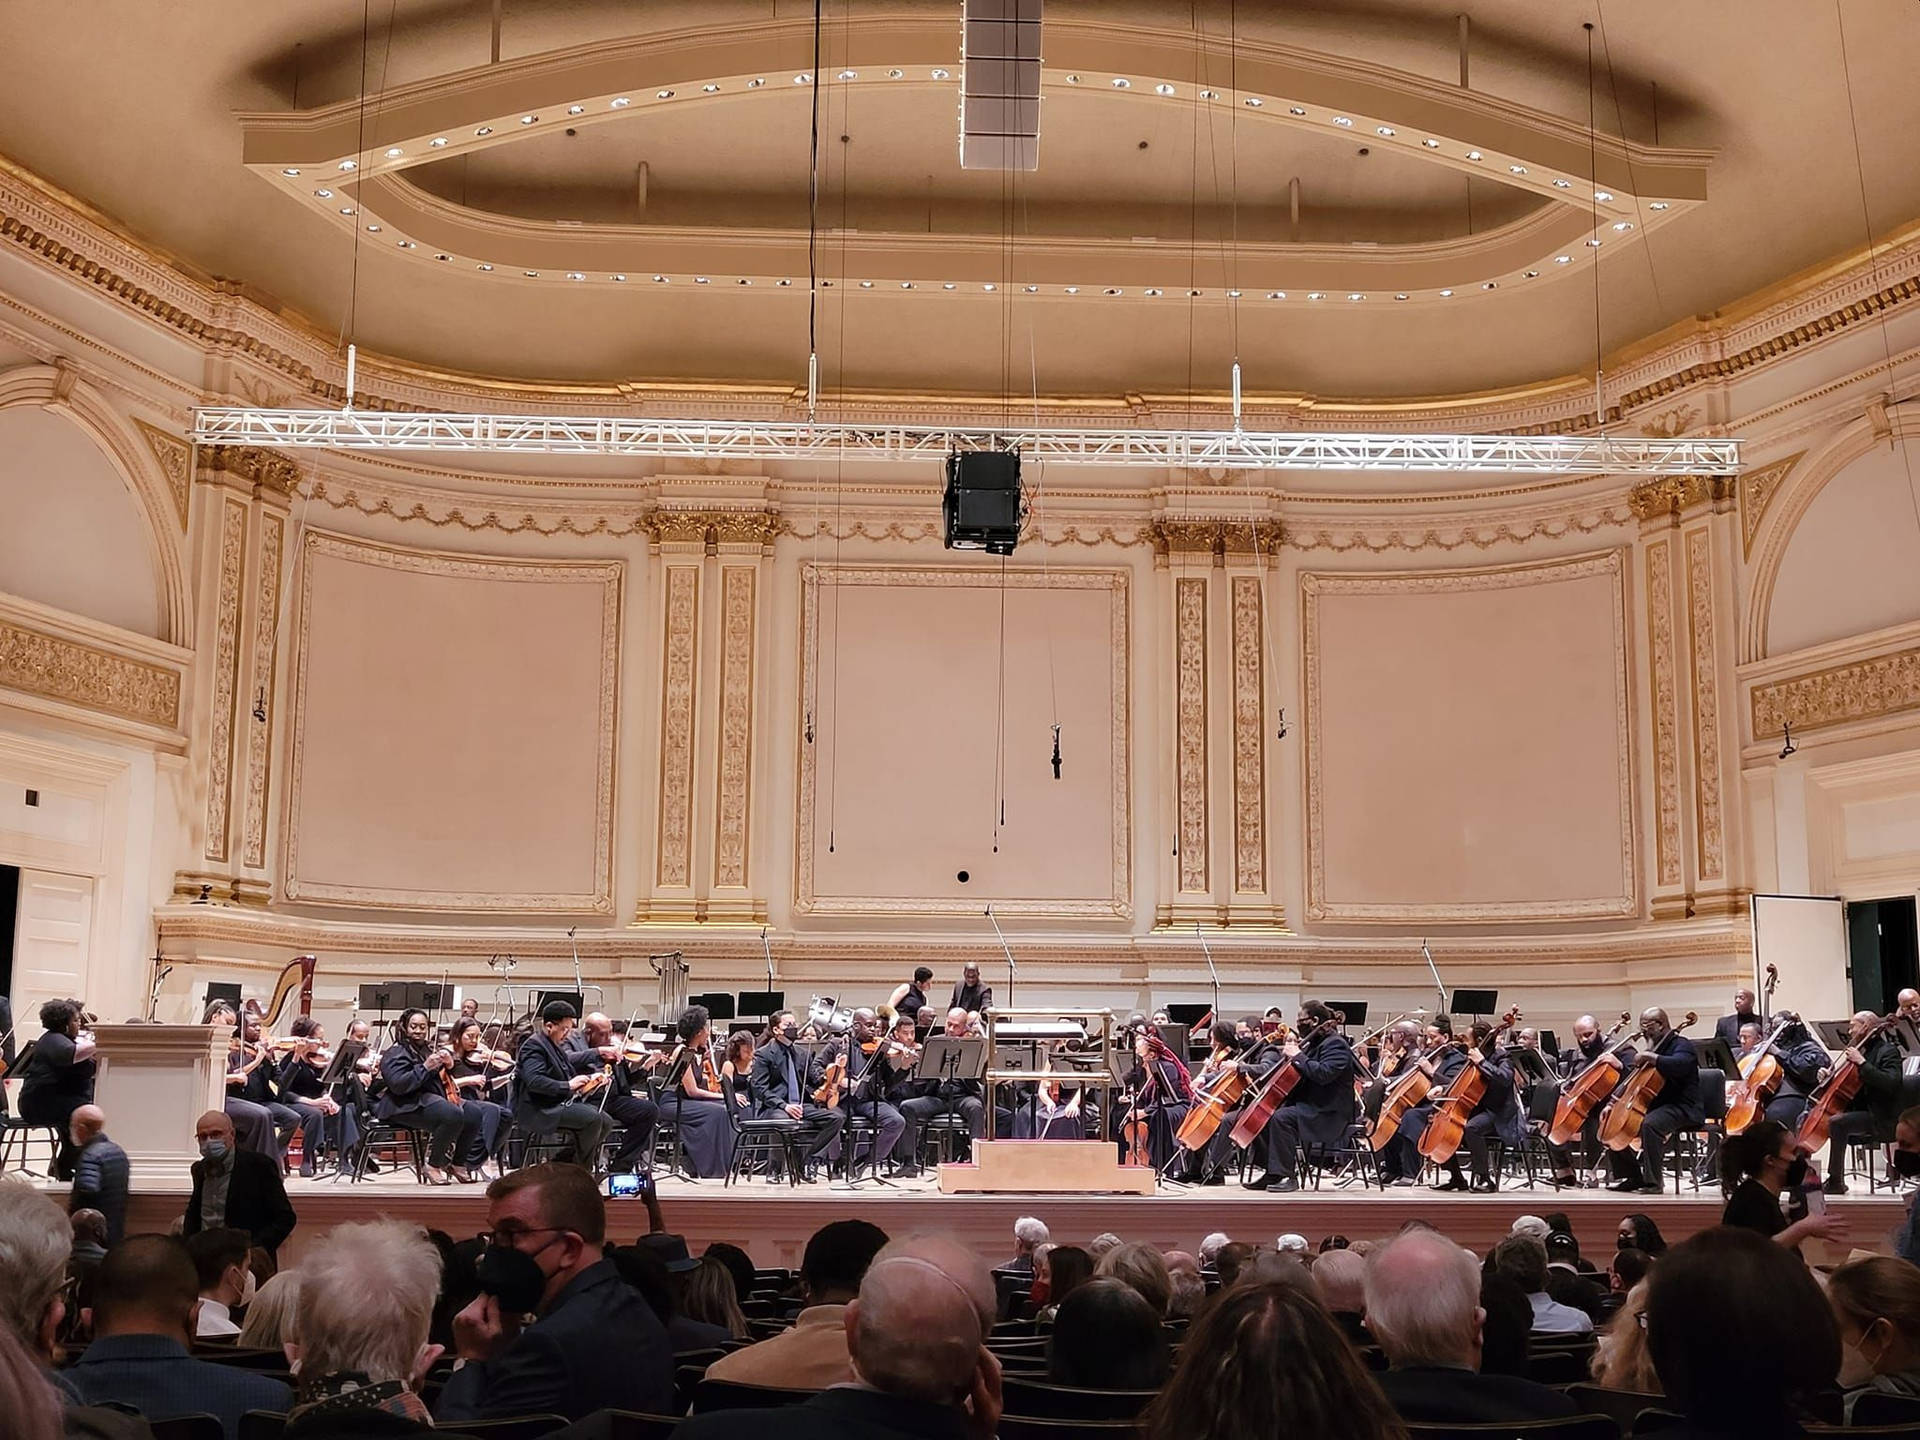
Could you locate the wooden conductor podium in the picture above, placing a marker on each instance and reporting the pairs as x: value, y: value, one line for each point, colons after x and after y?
x: 154, y: 1082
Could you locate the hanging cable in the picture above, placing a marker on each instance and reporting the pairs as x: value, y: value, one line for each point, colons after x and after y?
x: 1593, y: 241
x: 1633, y: 178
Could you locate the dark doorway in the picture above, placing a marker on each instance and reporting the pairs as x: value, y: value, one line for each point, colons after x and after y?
x: 1883, y: 950
x: 9, y: 922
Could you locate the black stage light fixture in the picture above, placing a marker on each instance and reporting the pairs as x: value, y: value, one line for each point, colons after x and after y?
x: 981, y: 506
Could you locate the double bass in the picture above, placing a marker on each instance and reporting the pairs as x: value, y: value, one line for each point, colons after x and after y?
x: 1448, y: 1127
x: 1835, y: 1095
x: 1277, y: 1084
x: 1591, y: 1087
x: 1620, y: 1122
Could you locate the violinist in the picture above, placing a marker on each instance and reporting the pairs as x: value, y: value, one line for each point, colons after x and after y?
x: 864, y: 1067
x: 1876, y: 1108
x: 701, y: 1122
x: 1589, y: 1044
x: 472, y: 1075
x: 1496, y: 1114
x: 1161, y: 1091
x: 739, y: 1064
x: 253, y: 1123
x: 1677, y: 1107
x: 324, y: 1121
x: 634, y: 1110
x: 1803, y: 1065
x: 413, y: 1095
x: 1320, y: 1108
x: 1443, y: 1058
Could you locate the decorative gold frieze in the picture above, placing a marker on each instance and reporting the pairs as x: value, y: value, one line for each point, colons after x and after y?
x: 1666, y: 719
x: 1186, y: 537
x: 175, y: 458
x: 54, y: 668
x: 266, y: 636
x: 720, y: 527
x: 1249, y: 740
x: 1673, y: 495
x: 1757, y: 489
x: 675, y: 865
x: 737, y: 583
x: 748, y: 527
x: 1862, y: 690
x: 1190, y: 730
x: 226, y: 676
x: 1706, y: 709
x: 265, y: 468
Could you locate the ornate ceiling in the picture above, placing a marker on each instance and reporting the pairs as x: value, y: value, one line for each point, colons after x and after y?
x: 624, y: 195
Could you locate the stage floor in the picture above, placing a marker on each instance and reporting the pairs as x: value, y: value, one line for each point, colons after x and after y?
x: 772, y: 1222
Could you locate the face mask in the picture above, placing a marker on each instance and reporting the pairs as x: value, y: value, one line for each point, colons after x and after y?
x: 1855, y: 1368
x: 214, y: 1149
x: 1038, y: 1294
x: 1624, y: 1242
x: 1906, y: 1162
x: 1796, y: 1173
x: 789, y: 1032
x: 512, y: 1277
x: 247, y: 1287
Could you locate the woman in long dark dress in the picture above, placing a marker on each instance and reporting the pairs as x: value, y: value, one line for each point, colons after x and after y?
x: 699, y: 1111
x: 1163, y: 1093
x: 58, y: 1078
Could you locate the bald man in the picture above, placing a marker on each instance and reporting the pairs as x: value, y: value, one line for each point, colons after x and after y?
x: 100, y: 1171
x: 1589, y: 1044
x: 1876, y: 1107
x: 916, y: 1341
x: 236, y: 1189
x: 1727, y: 1027
x: 1908, y: 1004
x: 1677, y: 1107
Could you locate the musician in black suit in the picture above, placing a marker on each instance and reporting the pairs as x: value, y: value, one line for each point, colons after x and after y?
x: 861, y: 1049
x: 324, y: 1120
x: 6, y: 1047
x: 556, y: 1085
x: 1319, y: 1109
x: 970, y: 994
x: 415, y: 1077
x: 1588, y: 1046
x: 783, y: 1081
x: 1804, y: 1063
x: 1495, y: 1115
x: 1443, y: 1058
x: 1677, y: 1107
x: 57, y: 1078
x: 1727, y: 1027
x: 634, y: 1111
x: 1876, y: 1106
x: 919, y: 1100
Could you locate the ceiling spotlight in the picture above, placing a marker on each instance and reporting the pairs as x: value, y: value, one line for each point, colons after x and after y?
x: 709, y: 89
x: 1276, y: 294
x: 1446, y: 294
x: 619, y: 277
x: 1163, y: 88
x: 1150, y: 292
x: 1623, y: 225
x: 803, y: 78
x: 849, y: 75
x: 1603, y: 196
x: 1195, y: 294
x: 346, y: 165
x: 531, y: 274
x: 373, y: 228
x: 394, y: 152
x: 528, y: 119
x: 701, y: 280
x: 1356, y: 295
x: 1121, y: 83
x: 290, y: 171
x: 1658, y: 205
x: 324, y: 193
x: 1343, y: 121
x: 659, y: 279
x: 1402, y: 295
x: 576, y: 109
x: 1386, y: 130
x: 1209, y: 94
x: 895, y: 74
x: 1032, y: 289
x: 404, y: 244
x: 1563, y: 184
x: 1593, y: 244
x: 866, y: 284
x: 1518, y: 169
x: 620, y: 102
x: 483, y: 267
x: 1254, y: 102
x: 1563, y: 259
x: 1073, y: 289
x: 743, y: 280
x: 1316, y: 295
x: 482, y: 131
x: 1489, y: 284
x: 783, y: 282
x: 1431, y: 143
x: 658, y: 95
x: 944, y: 285
x: 1531, y: 275
x: 1073, y: 79
x: 346, y: 209
x: 1114, y: 290
x: 1233, y: 294
x: 989, y: 287
x: 575, y: 275
x: 1474, y: 155
x: 939, y: 73
x: 756, y: 82
x: 906, y: 284
x: 1296, y: 110
x: 443, y: 257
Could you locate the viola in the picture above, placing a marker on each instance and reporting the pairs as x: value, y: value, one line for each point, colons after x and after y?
x: 1592, y: 1087
x: 1448, y: 1127
x: 1276, y: 1085
x: 1836, y: 1093
x: 1760, y: 1077
x: 1620, y: 1122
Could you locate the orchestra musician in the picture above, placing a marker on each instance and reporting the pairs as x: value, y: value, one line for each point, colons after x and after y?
x: 701, y: 1114
x: 1876, y: 1108
x: 260, y: 1083
x: 1161, y: 1091
x: 58, y: 1078
x: 1496, y: 1113
x: 634, y: 1110
x: 1803, y: 1065
x: 784, y: 1080
x: 473, y: 1074
x: 918, y: 1100
x: 253, y: 1127
x: 557, y: 1085
x: 1677, y: 1106
x: 1907, y: 1002
x: 1589, y: 1044
x: 413, y: 1097
x: 324, y: 1121
x: 1727, y: 1027
x: 1320, y: 1108
x: 355, y: 1087
x: 860, y: 1053
x: 969, y: 993
x: 909, y: 997
x: 738, y: 1066
x: 1442, y: 1059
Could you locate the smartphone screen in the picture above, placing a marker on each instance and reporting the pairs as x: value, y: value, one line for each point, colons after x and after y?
x: 623, y: 1187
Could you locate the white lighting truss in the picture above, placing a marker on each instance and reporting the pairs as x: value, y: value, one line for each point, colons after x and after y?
x: 756, y: 440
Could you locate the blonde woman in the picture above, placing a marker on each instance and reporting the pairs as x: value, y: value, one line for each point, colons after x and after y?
x: 1621, y: 1361
x: 707, y: 1294
x: 271, y: 1316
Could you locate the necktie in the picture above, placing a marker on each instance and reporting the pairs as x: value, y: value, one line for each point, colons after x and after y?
x: 793, y: 1081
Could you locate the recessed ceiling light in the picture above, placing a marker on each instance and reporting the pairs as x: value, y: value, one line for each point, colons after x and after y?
x: 1163, y: 88
x: 1431, y: 143
x: 826, y: 284
x: 1343, y: 121
x: 1489, y: 284
x: 939, y: 73
x: 1658, y: 205
x: 1563, y: 259
x: 483, y: 267
x: 394, y: 152
x: 1386, y: 130
x: 1209, y: 94
x: 701, y: 280
x: 528, y: 119
x: 346, y: 165
x: 1233, y: 294
x: 1254, y: 102
x: 1073, y: 289
x: 1073, y: 79
x: 1316, y: 295
x: 1473, y: 155
x: 1446, y: 294
x: 439, y: 142
x: 866, y: 284
x: 576, y: 109
x: 1276, y: 294
x: 709, y: 89
x: 756, y: 82
x: 849, y: 75
x: 895, y: 74
x: 1518, y: 169
x: 1120, y: 82
x: 1593, y: 244
x: 620, y: 102
x: 531, y: 274
x: 1114, y: 290
x: 1563, y: 184
x: 483, y: 131
x: 373, y: 227
x: 658, y: 95
x: 947, y: 285
x: 1623, y: 225
x: 783, y: 282
x: 324, y: 193
x: 803, y: 78
x: 346, y: 209
x: 290, y: 171
x: 1532, y: 275
x: 906, y: 284
x: 1150, y: 292
x: 1296, y: 109
x: 1603, y: 196
x: 1195, y: 294
x: 575, y: 275
x: 659, y: 279
x: 1356, y: 295
x: 743, y: 280
x: 1402, y: 295
x: 443, y: 257
x: 989, y: 287
x: 619, y: 277
x: 405, y: 244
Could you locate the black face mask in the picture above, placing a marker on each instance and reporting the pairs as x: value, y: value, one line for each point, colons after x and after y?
x: 512, y: 1277
x: 1796, y: 1173
x: 1625, y: 1242
x: 1906, y: 1162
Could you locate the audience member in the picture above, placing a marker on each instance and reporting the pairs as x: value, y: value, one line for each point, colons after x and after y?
x: 143, y: 1328
x: 1423, y: 1307
x: 1340, y: 1277
x: 1188, y: 1296
x: 666, y: 1264
x: 813, y: 1354
x: 269, y: 1324
x: 100, y: 1171
x: 1621, y: 1360
x: 1628, y: 1268
x: 225, y: 1280
x: 32, y: 1407
x: 1638, y: 1232
x: 1140, y: 1266
x: 1532, y: 1225
x: 1758, y: 1168
x: 1507, y: 1332
x: 361, y: 1365
x: 1179, y: 1260
x: 1041, y: 1286
x: 915, y: 1339
x: 1100, y: 1244
x: 1106, y: 1337
x: 1876, y: 1304
x: 1739, y: 1335
x: 1211, y: 1246
x: 1068, y: 1268
x: 1263, y: 1352
x: 1275, y: 1267
x: 706, y: 1295
x: 1230, y: 1259
x: 1291, y: 1244
x: 739, y: 1265
x: 237, y: 1189
x: 89, y: 1229
x: 1523, y: 1260
x: 1027, y: 1233
x: 594, y: 1345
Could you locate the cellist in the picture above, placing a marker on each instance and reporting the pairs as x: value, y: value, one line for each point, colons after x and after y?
x: 1876, y: 1108
x: 1804, y: 1064
x: 1320, y: 1108
x: 1589, y: 1044
x: 1496, y: 1114
x: 1441, y: 1059
x: 1677, y: 1105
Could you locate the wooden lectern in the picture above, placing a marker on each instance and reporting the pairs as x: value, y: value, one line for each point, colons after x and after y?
x: 154, y: 1082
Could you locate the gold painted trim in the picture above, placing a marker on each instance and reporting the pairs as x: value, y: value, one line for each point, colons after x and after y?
x: 679, y: 677
x: 1710, y: 842
x: 733, y: 830
x: 226, y: 678
x: 1190, y: 736
x: 266, y: 642
x: 1663, y: 670
x: 37, y: 660
x: 1838, y: 694
x: 1249, y: 738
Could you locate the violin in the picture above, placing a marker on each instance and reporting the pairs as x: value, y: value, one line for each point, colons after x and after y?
x: 1836, y: 1093
x: 1591, y: 1087
x: 1620, y: 1122
x: 1760, y: 1077
x: 832, y: 1083
x: 1448, y: 1127
x: 1277, y: 1084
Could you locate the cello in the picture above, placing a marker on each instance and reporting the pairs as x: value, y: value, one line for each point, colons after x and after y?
x: 1277, y: 1084
x: 1835, y: 1095
x: 1402, y: 1095
x: 1213, y: 1096
x: 1760, y: 1077
x: 1591, y: 1086
x: 1448, y: 1127
x: 1620, y: 1122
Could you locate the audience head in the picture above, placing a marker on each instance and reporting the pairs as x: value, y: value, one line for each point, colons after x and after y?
x: 36, y: 1241
x: 1506, y: 1330
x: 1620, y: 1360
x: 739, y: 1264
x: 1532, y: 1225
x: 1523, y: 1260
x: 271, y: 1316
x: 1212, y: 1245
x: 338, y: 1332
x: 1638, y: 1232
x: 1141, y: 1267
x: 1178, y: 1260
x: 1277, y: 1267
x: 1341, y: 1278
x: 1423, y: 1301
x: 220, y: 1259
x: 213, y: 1133
x: 1738, y: 1330
x: 1027, y: 1233
x: 552, y: 1213
x: 707, y: 1294
x: 89, y: 1228
x: 1188, y: 1295
x: 1876, y: 1304
x: 1765, y: 1151
x: 1068, y: 1268
x: 1629, y: 1268
x: 919, y: 1323
x: 1264, y: 1351
x: 837, y: 1258
x: 85, y: 1123
x: 147, y: 1285
x: 1105, y: 1337
x: 1291, y: 1243
x: 1100, y: 1244
x: 1231, y: 1260
x: 31, y: 1405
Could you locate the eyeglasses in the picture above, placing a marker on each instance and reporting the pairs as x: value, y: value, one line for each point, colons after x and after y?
x: 511, y: 1237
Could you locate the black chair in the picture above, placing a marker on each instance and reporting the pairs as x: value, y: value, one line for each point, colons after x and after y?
x: 514, y: 1427
x: 949, y: 1136
x: 1029, y: 1427
x: 726, y: 1395
x: 1686, y: 1151
x: 1035, y: 1399
x: 382, y: 1132
x: 1889, y: 1432
x: 1622, y: 1406
x: 622, y: 1425
x: 1654, y: 1419
x: 262, y: 1425
x: 188, y: 1427
x: 15, y: 1132
x: 1876, y: 1407
x: 1574, y: 1427
x: 1542, y: 1101
x: 760, y: 1139
x: 1558, y: 1365
x: 244, y: 1359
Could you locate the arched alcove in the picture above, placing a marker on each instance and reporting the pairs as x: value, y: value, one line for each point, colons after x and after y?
x: 1848, y: 568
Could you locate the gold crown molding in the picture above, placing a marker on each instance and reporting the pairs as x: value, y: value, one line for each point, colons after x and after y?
x: 1838, y: 694
x: 265, y: 469
x: 41, y: 656
x: 1672, y: 496
x: 1757, y: 489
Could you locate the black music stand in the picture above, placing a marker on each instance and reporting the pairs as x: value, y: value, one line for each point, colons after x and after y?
x: 1716, y: 1054
x: 952, y: 1058
x: 1477, y: 1003
x: 760, y: 1004
x: 1355, y: 1012
x: 1831, y: 1033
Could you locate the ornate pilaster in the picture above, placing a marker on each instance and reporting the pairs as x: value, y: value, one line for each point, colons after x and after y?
x: 225, y: 655
x: 1669, y: 897
x: 262, y: 688
x: 1709, y: 835
x: 673, y: 869
x: 1190, y: 735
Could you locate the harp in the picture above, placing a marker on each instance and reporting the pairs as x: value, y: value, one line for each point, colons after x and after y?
x: 298, y: 974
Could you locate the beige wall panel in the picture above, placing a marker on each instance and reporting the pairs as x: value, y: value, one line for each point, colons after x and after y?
x: 1468, y: 744
x: 900, y: 779
x: 453, y: 731
x: 1849, y: 567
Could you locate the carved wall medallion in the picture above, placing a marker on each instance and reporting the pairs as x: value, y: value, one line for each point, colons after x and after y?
x: 175, y: 458
x: 1862, y: 690
x: 1190, y: 730
x: 1666, y: 719
x: 1706, y: 707
x: 731, y: 837
x: 1249, y: 739
x: 682, y: 619
x: 226, y: 675
x: 266, y: 638
x: 1757, y: 489
x: 34, y: 662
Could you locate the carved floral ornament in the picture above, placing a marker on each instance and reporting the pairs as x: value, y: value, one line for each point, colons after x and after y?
x: 1236, y: 536
x: 265, y: 468
x: 1675, y: 495
x: 719, y: 527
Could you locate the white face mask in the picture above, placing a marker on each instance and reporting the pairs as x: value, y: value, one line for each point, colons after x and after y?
x: 246, y: 1291
x: 1855, y: 1367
